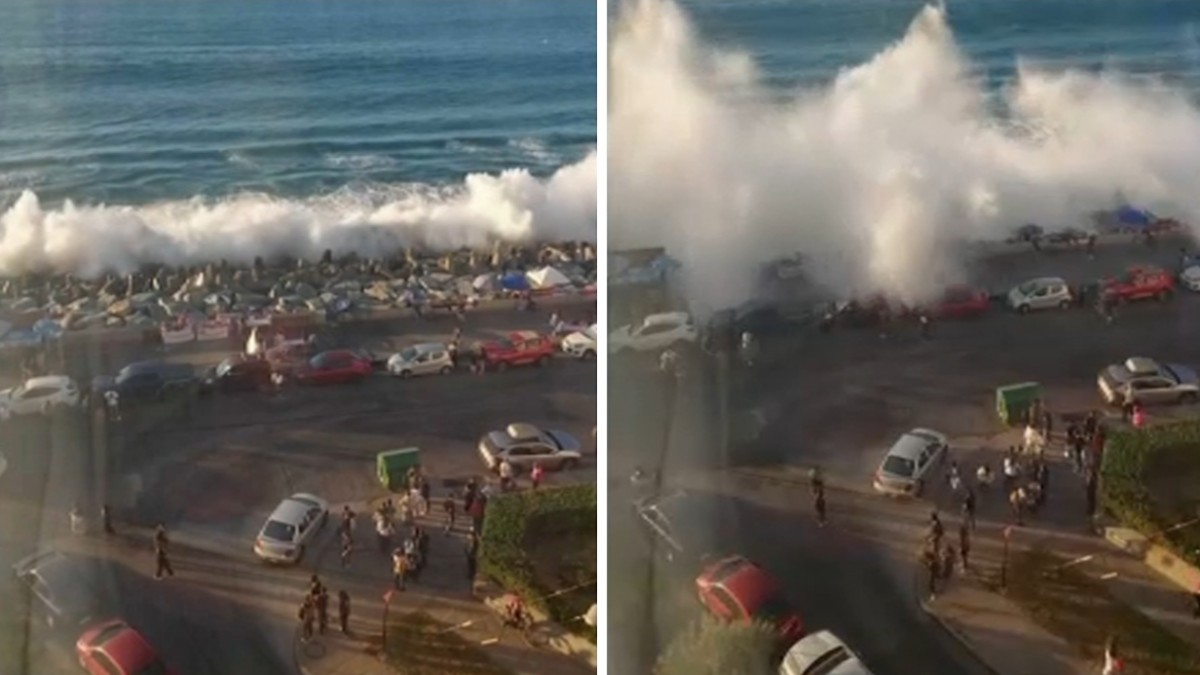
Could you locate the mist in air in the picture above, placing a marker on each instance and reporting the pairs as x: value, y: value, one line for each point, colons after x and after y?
x: 89, y: 240
x: 879, y: 176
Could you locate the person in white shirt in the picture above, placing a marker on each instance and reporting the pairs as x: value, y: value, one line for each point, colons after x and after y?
x: 506, y: 475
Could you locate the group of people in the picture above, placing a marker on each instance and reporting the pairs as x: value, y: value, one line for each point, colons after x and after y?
x: 939, y: 557
x: 314, y: 610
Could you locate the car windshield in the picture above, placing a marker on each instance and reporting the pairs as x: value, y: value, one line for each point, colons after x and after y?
x: 155, y: 667
x: 226, y: 366
x: 1028, y: 287
x: 409, y: 354
x: 108, y: 634
x: 899, y: 466
x: 829, y: 661
x: 279, y: 531
x: 774, y: 608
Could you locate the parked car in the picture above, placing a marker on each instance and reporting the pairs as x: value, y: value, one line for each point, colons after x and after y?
x: 39, y: 395
x: 737, y: 590
x: 339, y: 366
x: 1146, y: 381
x: 1041, y: 293
x: 428, y: 358
x: 62, y: 585
x: 1189, y: 277
x: 114, y: 648
x: 524, y: 445
x: 1140, y: 283
x: 905, y: 469
x: 238, y: 373
x: 290, y: 528
x: 520, y: 348
x: 148, y: 381
x: 657, y: 331
x: 960, y: 302
x: 822, y: 653
x: 581, y: 344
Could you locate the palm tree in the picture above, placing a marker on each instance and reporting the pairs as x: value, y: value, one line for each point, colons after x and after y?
x: 714, y: 647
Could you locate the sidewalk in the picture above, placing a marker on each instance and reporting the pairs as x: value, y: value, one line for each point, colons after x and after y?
x: 442, y: 592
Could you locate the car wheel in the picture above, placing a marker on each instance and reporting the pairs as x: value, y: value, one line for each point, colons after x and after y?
x: 1188, y: 399
x: 1022, y: 309
x: 1164, y: 296
x: 502, y: 366
x: 587, y: 355
x: 543, y: 362
x: 1065, y: 304
x: 446, y: 370
x: 405, y: 374
x: 568, y: 464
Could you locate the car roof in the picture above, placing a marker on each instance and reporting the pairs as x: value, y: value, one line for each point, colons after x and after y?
x: 521, y: 335
x: 811, y: 648
x: 667, y: 317
x: 57, y: 381
x: 128, y: 649
x: 913, y: 443
x: 1048, y: 281
x: 522, y: 431
x: 1140, y: 365
x: 291, y: 510
x: 424, y: 347
x: 745, y: 581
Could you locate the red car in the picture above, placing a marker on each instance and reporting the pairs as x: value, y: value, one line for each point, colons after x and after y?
x: 334, y: 367
x: 961, y: 302
x: 1141, y: 283
x: 735, y: 589
x: 522, y: 348
x: 113, y: 648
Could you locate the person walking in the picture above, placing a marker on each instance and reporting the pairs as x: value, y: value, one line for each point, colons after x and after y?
x: 1089, y: 489
x: 78, y: 525
x: 322, y: 602
x: 307, y: 617
x: 162, y: 562
x: 1016, y: 500
x: 816, y: 480
x: 471, y: 550
x: 451, y: 507
x: 106, y: 520
x: 348, y: 520
x: 424, y: 490
x: 968, y: 508
x: 344, y: 611
x: 399, y: 569
x: 347, y: 549
x: 1043, y: 481
x: 315, y: 587
x: 470, y: 491
x: 932, y: 567
x: 964, y: 545
x: 1012, y: 470
x: 936, y: 530
x: 385, y: 532
x: 819, y: 507
x: 506, y: 475
x: 535, y: 475
x: 953, y: 478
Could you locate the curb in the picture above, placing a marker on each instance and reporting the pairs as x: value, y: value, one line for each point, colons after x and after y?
x: 949, y: 628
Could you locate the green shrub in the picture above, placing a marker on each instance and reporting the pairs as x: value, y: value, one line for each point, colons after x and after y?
x: 517, y: 520
x: 1124, y: 493
x: 714, y: 647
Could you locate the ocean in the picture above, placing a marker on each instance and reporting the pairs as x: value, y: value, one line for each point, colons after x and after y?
x: 874, y: 136
x: 197, y: 128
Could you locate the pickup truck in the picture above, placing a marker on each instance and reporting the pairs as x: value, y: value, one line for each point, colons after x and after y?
x: 1140, y: 283
x: 148, y: 381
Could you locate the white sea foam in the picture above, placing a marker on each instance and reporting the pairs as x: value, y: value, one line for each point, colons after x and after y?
x: 88, y: 240
x: 359, y: 162
x: 535, y: 149
x: 879, y: 173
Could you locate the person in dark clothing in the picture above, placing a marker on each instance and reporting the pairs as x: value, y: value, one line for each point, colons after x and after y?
x: 1047, y: 425
x: 1090, y: 425
x: 307, y: 617
x: 106, y: 519
x: 968, y: 508
x: 936, y: 530
x: 322, y: 602
x: 423, y: 489
x: 1090, y: 493
x: 451, y: 507
x: 1043, y: 480
x: 946, y: 566
x: 819, y: 507
x: 344, y: 611
x: 964, y: 545
x: 469, y: 493
x: 315, y: 587
x: 471, y: 550
x: 933, y: 567
x: 816, y: 480
x: 162, y: 562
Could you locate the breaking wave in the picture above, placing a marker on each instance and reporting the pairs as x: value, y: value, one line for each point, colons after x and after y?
x: 88, y: 240
x: 878, y: 175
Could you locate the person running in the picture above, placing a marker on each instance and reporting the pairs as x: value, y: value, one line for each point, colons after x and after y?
x: 344, y: 611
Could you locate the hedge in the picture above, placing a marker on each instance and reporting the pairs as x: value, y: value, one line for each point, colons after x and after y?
x: 711, y: 646
x: 502, y: 552
x: 1124, y: 494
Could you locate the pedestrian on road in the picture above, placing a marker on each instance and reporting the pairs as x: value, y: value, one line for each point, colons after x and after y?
x: 323, y: 610
x: 1047, y: 429
x: 315, y: 587
x: 347, y: 549
x: 307, y: 616
x: 926, y: 327
x: 949, y: 557
x: 471, y: 549
x: 451, y: 508
x: 423, y: 489
x: 1043, y: 481
x: 1012, y: 469
x: 469, y: 493
x: 1090, y: 493
x: 1139, y: 416
x: 984, y: 478
x: 344, y: 611
x: 1091, y: 425
x: 936, y: 530
x: 106, y: 520
x: 968, y: 508
x: 162, y: 563
x: 964, y: 545
x: 1016, y: 499
x: 78, y: 526
x: 816, y: 480
x: 953, y: 478
x: 1078, y: 443
x: 932, y: 566
x: 399, y: 569
x: 347, y: 524
x: 1113, y: 663
x: 819, y: 507
x: 535, y: 475
x: 385, y: 531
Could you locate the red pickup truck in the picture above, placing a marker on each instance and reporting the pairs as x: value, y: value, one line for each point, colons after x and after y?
x: 1140, y: 283
x: 521, y: 348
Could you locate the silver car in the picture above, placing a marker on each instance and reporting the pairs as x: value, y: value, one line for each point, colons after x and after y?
x: 524, y: 445
x: 1146, y: 381
x: 905, y: 469
x: 429, y: 358
x: 1041, y: 293
x: 821, y: 653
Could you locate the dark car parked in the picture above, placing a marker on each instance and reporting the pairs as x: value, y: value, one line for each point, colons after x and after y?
x: 237, y: 373
x: 148, y: 380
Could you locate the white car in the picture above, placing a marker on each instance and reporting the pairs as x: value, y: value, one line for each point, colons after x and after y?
x: 1041, y: 293
x: 39, y: 395
x: 1189, y: 278
x: 581, y: 344
x: 429, y: 358
x: 657, y: 331
x: 290, y: 528
x: 524, y: 445
x: 905, y: 468
x: 821, y: 653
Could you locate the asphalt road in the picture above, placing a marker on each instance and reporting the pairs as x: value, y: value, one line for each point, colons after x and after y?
x: 213, y: 477
x: 838, y: 401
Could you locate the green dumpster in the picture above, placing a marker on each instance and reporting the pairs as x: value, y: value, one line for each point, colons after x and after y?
x: 1014, y: 401
x: 393, y: 465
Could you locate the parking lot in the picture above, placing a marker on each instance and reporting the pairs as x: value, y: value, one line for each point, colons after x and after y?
x: 838, y: 401
x: 213, y: 477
